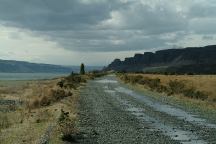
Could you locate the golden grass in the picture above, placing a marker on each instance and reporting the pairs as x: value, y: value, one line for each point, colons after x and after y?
x: 43, y: 103
x: 206, y: 83
x: 30, y: 120
x: 207, y: 108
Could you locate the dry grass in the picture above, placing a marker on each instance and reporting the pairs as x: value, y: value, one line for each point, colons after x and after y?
x: 202, y: 83
x: 206, y: 83
x: 4, y: 121
x: 42, y: 104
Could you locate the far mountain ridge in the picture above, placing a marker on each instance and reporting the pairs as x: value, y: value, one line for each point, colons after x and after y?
x: 13, y: 66
x: 186, y: 60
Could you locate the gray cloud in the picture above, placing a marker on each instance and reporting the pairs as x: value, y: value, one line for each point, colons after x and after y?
x: 152, y: 20
x: 110, y: 25
x: 208, y: 37
x: 54, y: 15
x: 204, y: 9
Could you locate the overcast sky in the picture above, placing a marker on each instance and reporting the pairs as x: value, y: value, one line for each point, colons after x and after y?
x: 69, y: 32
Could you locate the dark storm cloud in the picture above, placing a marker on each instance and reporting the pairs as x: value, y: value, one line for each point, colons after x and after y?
x: 110, y: 25
x: 53, y: 14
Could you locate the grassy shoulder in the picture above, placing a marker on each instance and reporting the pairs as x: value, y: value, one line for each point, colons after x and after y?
x: 195, y: 93
x: 39, y: 111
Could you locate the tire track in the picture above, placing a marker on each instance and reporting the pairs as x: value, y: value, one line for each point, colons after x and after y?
x: 112, y: 113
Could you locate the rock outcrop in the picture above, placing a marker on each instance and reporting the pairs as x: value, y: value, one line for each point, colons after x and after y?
x: 187, y: 60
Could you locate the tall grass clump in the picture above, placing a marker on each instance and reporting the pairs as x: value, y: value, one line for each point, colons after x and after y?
x: 171, y: 88
x: 176, y: 87
x: 4, y: 121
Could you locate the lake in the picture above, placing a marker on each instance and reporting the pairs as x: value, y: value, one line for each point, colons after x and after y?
x: 29, y: 76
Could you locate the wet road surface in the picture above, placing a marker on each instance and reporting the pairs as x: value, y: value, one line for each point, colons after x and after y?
x: 112, y: 113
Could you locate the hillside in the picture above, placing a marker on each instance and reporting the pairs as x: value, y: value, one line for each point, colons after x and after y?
x: 8, y: 66
x: 187, y: 60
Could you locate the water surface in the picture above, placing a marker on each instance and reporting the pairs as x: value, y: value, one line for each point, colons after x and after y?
x: 29, y: 76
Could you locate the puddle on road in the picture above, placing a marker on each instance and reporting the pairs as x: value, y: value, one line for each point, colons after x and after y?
x: 167, y: 108
x: 104, y: 81
x: 184, y: 137
x: 107, y: 90
x: 110, y: 91
x: 106, y: 87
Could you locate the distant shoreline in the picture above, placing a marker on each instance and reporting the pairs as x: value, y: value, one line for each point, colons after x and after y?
x: 30, y: 76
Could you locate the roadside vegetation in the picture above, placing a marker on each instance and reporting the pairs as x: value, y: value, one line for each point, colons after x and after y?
x: 197, y: 87
x: 41, y: 111
x: 194, y: 93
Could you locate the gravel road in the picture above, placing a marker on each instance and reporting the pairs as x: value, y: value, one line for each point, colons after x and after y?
x: 112, y: 113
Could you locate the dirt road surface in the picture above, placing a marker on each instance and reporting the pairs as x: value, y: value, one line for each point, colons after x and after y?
x: 111, y: 113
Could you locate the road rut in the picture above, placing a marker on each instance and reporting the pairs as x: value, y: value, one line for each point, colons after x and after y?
x: 112, y: 113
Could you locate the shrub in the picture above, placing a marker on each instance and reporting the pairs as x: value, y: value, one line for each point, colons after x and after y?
x: 173, y: 87
x: 68, y: 131
x: 192, y: 93
x: 58, y: 94
x: 96, y: 74
x: 125, y: 78
x: 154, y: 83
x: 189, y: 92
x: 161, y: 88
x: 4, y: 121
x: 201, y: 95
x: 60, y: 84
x: 214, y: 99
x: 190, y: 73
x: 75, y: 79
x: 70, y: 86
x: 35, y: 103
x: 45, y: 101
x: 63, y: 116
x: 176, y: 87
x: 69, y: 93
x: 135, y: 79
x: 67, y: 127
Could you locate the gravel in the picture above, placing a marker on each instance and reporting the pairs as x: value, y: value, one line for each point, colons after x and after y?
x: 111, y: 113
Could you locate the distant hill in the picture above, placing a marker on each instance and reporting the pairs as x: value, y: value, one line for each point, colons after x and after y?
x: 199, y: 60
x: 10, y: 66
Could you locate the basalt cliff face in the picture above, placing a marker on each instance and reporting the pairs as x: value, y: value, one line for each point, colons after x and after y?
x: 187, y: 60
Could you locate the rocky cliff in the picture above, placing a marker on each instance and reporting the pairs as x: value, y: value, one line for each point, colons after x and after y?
x: 187, y: 60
